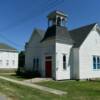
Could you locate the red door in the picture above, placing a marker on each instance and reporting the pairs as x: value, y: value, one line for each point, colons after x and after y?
x: 48, y: 68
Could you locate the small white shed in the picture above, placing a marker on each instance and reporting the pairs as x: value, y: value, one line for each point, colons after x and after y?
x: 8, y: 57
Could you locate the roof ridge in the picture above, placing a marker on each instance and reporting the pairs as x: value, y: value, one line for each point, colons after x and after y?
x: 83, y: 27
x: 79, y: 34
x: 39, y: 29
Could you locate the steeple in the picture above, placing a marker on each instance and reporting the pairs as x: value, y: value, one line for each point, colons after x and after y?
x: 55, y: 30
x: 57, y: 18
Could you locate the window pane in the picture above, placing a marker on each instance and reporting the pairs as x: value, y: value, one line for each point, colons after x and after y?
x: 64, y: 58
x: 98, y: 63
x: 34, y: 64
x: 94, y: 62
x: 98, y: 66
x: 37, y: 60
x: 64, y: 61
x: 98, y: 60
x: 94, y: 66
x: 94, y: 59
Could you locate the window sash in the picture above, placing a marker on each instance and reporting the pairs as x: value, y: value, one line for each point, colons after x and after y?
x: 64, y: 62
x: 64, y: 65
x: 96, y: 62
x: 35, y: 64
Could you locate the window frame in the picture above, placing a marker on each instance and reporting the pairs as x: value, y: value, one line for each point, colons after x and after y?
x: 64, y: 62
x: 35, y: 64
x: 96, y: 62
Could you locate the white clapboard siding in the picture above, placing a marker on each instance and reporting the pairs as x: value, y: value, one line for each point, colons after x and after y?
x: 61, y: 49
x: 90, y: 47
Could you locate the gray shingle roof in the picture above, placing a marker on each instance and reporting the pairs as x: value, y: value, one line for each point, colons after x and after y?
x: 80, y: 34
x: 4, y: 46
x: 41, y: 32
x: 61, y: 34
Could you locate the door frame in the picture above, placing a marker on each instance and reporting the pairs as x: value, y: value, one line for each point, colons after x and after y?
x: 48, y: 59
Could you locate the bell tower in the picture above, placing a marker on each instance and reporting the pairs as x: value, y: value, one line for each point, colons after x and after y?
x: 57, y: 18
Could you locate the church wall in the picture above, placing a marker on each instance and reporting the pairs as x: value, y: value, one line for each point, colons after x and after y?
x: 89, y: 49
x: 48, y: 49
x: 63, y: 49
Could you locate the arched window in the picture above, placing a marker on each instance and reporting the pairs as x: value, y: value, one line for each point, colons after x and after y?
x: 98, y: 62
x: 35, y: 64
x: 64, y: 61
x: 54, y: 21
x: 94, y: 62
x: 59, y: 21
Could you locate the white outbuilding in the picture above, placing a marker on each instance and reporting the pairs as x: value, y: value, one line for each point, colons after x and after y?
x: 60, y: 53
x: 8, y: 57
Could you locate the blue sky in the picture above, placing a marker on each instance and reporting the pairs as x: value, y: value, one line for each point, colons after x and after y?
x: 18, y: 18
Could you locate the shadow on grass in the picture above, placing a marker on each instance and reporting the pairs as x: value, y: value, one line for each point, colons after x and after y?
x: 26, y: 75
x: 95, y: 80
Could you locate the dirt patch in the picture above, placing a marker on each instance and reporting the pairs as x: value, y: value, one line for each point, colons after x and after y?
x: 36, y: 80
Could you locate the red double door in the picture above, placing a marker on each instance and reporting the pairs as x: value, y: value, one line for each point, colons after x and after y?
x: 48, y: 66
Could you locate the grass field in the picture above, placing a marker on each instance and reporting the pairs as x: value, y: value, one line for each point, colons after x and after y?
x: 77, y: 90
x: 13, y: 76
x: 18, y: 92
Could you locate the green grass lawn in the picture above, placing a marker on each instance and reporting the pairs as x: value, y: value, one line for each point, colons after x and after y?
x: 19, y: 92
x: 14, y: 76
x: 77, y: 90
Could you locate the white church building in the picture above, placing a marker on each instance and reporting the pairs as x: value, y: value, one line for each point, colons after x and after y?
x: 60, y: 53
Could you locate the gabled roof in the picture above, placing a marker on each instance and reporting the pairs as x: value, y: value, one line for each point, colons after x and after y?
x: 80, y: 34
x: 4, y: 46
x: 75, y: 36
x: 41, y: 32
x: 60, y: 33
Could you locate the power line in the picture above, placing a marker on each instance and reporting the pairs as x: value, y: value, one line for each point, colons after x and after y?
x: 10, y: 41
x: 47, y: 7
